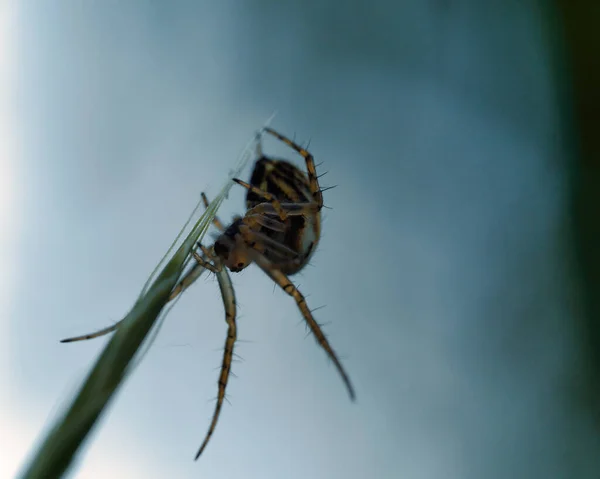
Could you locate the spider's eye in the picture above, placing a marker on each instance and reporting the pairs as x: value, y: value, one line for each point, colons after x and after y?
x: 221, y: 250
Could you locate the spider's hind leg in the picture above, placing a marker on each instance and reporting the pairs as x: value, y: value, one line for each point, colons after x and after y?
x: 282, y: 280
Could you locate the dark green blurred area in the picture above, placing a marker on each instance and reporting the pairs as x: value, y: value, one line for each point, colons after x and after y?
x: 480, y: 351
x: 580, y: 24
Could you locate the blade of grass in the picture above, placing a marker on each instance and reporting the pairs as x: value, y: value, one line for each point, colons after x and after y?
x: 64, y: 439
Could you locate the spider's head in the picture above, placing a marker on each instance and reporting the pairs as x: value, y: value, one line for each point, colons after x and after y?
x: 232, y: 250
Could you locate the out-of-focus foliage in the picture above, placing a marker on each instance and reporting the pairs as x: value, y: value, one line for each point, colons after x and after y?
x: 579, y: 22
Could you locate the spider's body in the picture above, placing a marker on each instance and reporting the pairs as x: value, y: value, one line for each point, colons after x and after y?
x: 282, y: 183
x: 301, y: 233
x: 279, y: 232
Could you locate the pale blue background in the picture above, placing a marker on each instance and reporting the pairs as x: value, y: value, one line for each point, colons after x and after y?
x: 442, y: 263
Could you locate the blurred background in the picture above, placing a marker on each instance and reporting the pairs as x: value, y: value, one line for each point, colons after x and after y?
x: 459, y: 262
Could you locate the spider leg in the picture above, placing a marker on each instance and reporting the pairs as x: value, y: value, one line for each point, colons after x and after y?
x: 228, y: 295
x: 259, y: 150
x: 209, y: 252
x: 269, y: 197
x: 282, y: 280
x: 313, y: 180
x: 216, y: 221
x: 291, y: 209
x: 254, y: 220
x: 184, y: 283
x: 260, y: 242
x: 216, y: 268
x: 193, y: 274
x: 93, y: 335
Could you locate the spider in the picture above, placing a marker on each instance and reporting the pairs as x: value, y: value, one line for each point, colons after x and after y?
x: 279, y: 233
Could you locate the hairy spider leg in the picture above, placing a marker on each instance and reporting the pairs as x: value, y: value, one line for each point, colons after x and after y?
x: 181, y: 286
x: 267, y: 222
x: 194, y: 273
x: 229, y: 303
x: 291, y: 209
x: 282, y: 280
x: 261, y: 242
x: 269, y: 197
x: 93, y: 335
x: 313, y: 181
x: 216, y: 221
x: 228, y: 295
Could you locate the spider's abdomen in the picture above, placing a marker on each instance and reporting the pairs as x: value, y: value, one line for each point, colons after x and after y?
x: 280, y: 178
x: 289, y: 184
